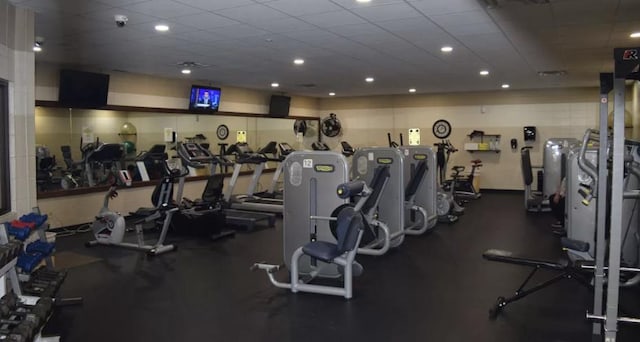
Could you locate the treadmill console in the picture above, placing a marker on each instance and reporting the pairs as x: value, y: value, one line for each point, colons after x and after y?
x: 320, y: 146
x: 192, y: 152
x: 285, y: 149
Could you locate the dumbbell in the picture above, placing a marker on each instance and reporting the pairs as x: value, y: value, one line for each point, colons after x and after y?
x: 28, y: 261
x: 43, y: 273
x: 44, y: 248
x: 9, y: 303
x: 23, y: 332
x: 42, y: 289
x: 9, y: 251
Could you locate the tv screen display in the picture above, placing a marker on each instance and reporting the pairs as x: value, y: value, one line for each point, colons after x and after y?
x: 204, y: 99
x: 83, y: 89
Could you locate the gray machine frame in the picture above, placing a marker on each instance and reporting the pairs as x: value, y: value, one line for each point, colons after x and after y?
x: 390, y: 208
x: 552, y: 161
x: 605, y: 308
x: 310, y: 182
x: 426, y: 196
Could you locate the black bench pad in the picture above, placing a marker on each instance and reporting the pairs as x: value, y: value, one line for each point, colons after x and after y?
x: 510, y: 258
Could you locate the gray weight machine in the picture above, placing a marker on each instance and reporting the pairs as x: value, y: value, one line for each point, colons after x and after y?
x: 388, y: 213
x: 424, y: 196
x: 309, y: 246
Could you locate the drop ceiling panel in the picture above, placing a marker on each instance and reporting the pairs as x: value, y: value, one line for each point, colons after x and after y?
x: 302, y: 7
x: 239, y: 31
x: 67, y: 6
x: 203, y: 21
x: 210, y: 5
x: 331, y: 19
x: 355, y: 4
x: 284, y: 25
x: 250, y: 14
x: 392, y: 11
x: 351, y: 30
x: 163, y: 9
x: 436, y: 7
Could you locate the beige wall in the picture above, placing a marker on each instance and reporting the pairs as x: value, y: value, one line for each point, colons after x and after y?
x: 138, y: 90
x: 555, y: 113
x: 17, y: 67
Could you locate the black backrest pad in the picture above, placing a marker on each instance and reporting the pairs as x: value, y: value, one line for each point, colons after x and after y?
x: 155, y: 196
x: 527, y: 174
x: 380, y: 176
x: 416, y: 180
x: 350, y: 224
x: 213, y: 189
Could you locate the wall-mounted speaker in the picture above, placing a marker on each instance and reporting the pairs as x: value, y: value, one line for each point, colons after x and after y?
x: 279, y: 106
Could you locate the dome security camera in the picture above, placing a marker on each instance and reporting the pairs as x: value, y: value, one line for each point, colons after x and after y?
x: 121, y: 20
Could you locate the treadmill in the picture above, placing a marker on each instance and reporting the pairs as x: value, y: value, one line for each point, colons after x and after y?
x: 244, y: 155
x: 195, y: 155
x: 285, y: 150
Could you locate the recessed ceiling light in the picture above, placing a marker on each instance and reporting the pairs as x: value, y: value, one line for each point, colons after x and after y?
x: 369, y: 79
x: 446, y: 49
x: 635, y: 35
x: 484, y: 72
x: 275, y: 85
x: 37, y: 48
x: 332, y: 94
x: 505, y: 86
x: 412, y: 90
x: 186, y: 71
x: 363, y: 1
x: 298, y: 61
x: 162, y: 28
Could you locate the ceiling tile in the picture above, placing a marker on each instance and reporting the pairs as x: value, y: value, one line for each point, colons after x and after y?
x: 437, y: 7
x: 302, y: 7
x: 213, y: 5
x: 163, y: 9
x: 461, y: 18
x: 284, y: 25
x: 250, y: 14
x: 393, y: 11
x: 239, y: 31
x: 355, y: 4
x: 67, y: 6
x: 356, y: 29
x: 203, y: 20
x: 331, y: 19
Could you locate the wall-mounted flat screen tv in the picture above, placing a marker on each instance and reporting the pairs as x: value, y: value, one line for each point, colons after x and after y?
x: 204, y: 99
x: 83, y: 89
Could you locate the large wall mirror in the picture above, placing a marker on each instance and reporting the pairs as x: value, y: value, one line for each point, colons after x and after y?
x: 64, y: 138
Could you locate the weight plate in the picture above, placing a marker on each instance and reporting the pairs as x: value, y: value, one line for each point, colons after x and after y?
x: 222, y: 132
x: 441, y: 129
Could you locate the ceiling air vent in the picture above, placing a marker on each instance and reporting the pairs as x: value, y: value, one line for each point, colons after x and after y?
x: 307, y: 85
x: 189, y: 64
x: 555, y: 73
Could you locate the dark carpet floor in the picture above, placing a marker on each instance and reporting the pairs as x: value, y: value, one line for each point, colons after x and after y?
x: 435, y: 287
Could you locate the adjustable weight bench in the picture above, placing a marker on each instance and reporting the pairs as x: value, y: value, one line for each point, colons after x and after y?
x: 564, y: 268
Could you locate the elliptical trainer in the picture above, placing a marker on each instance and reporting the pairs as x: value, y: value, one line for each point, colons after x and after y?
x: 448, y: 208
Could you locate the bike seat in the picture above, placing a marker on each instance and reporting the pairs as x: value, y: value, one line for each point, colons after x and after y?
x: 477, y: 161
x: 458, y: 168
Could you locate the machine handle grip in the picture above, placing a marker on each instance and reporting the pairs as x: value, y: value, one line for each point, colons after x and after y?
x: 349, y: 189
x: 584, y: 164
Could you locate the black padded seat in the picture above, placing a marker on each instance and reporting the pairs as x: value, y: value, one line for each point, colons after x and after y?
x: 510, y: 258
x: 321, y: 250
x: 350, y: 223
